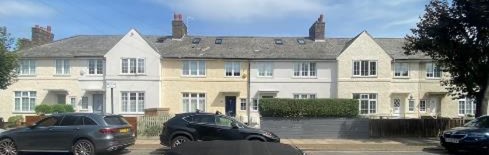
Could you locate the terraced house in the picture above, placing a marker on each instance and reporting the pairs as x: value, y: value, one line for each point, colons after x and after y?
x: 133, y: 73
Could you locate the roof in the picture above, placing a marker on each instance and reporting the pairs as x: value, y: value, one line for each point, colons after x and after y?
x: 231, y: 47
x: 251, y: 47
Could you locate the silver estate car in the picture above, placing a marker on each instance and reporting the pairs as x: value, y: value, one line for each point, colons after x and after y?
x: 79, y: 133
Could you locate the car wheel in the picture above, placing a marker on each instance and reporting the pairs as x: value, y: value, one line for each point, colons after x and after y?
x: 179, y: 140
x: 8, y: 147
x: 83, y: 147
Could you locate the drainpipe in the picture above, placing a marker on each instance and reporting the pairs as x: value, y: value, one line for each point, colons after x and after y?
x: 248, y: 109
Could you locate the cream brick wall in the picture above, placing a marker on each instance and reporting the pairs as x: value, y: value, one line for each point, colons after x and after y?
x: 215, y: 85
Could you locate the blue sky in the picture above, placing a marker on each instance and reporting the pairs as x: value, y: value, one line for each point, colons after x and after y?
x: 344, y: 18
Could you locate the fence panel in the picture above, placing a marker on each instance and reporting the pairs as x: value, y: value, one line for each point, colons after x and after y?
x: 411, y: 127
x: 151, y: 126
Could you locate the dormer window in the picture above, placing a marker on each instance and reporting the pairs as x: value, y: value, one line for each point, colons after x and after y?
x: 279, y: 42
x: 196, y: 41
x: 218, y: 41
x: 301, y: 41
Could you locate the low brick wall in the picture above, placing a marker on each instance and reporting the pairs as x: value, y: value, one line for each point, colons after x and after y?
x: 317, y: 128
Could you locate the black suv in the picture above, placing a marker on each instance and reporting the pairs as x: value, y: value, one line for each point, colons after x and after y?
x: 207, y: 126
x: 473, y: 135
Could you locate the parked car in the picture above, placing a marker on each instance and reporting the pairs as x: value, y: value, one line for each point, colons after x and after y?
x: 2, y: 130
x: 207, y: 126
x: 241, y: 147
x: 79, y: 133
x: 474, y: 135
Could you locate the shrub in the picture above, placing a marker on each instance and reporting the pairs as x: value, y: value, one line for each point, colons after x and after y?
x: 43, y: 109
x: 15, y: 119
x: 308, y: 107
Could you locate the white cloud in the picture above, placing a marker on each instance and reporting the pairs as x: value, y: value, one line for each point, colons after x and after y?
x: 244, y: 10
x: 23, y: 8
x: 402, y: 22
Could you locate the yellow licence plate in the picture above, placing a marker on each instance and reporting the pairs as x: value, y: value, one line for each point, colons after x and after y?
x: 123, y: 130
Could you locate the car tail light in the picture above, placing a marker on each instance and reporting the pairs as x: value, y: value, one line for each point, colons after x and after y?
x: 108, y: 131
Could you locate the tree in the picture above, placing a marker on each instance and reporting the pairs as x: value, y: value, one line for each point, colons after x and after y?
x: 456, y: 36
x: 8, y: 61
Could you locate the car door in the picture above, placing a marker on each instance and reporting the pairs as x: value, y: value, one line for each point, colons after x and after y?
x: 205, y: 125
x: 62, y: 135
x: 225, y: 131
x: 38, y: 137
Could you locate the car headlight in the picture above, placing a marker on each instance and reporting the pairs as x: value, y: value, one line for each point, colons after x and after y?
x: 268, y: 134
x: 478, y: 135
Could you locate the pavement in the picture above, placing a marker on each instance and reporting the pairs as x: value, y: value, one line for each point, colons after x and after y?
x: 389, y: 144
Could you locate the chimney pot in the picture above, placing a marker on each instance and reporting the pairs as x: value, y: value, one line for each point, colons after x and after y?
x: 48, y: 28
x: 180, y: 17
x: 175, y: 16
x: 321, y: 18
x: 37, y: 26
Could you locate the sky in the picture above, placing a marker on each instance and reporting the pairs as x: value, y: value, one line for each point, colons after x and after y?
x: 344, y: 18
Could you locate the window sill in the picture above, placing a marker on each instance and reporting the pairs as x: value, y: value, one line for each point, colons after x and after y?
x: 61, y: 75
x: 364, y: 76
x: 265, y: 77
x: 304, y: 77
x: 26, y: 75
x: 132, y: 74
x: 435, y: 78
x: 234, y: 77
x: 23, y: 112
x: 401, y: 77
x: 193, y: 76
x: 95, y: 75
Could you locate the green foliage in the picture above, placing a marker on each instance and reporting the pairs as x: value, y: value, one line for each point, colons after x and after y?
x: 456, y: 35
x: 43, y: 109
x: 8, y: 61
x: 16, y: 119
x: 56, y: 108
x: 308, y: 107
x: 152, y: 131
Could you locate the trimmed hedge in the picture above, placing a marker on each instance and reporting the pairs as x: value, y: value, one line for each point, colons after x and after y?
x: 55, y: 108
x: 308, y: 107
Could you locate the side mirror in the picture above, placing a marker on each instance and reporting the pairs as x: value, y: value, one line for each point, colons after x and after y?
x: 234, y: 125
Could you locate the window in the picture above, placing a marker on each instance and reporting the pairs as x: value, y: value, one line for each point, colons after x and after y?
x: 97, y: 66
x: 304, y: 96
x: 62, y: 67
x: 401, y: 69
x: 301, y: 41
x: 88, y: 121
x: 466, y: 106
x: 243, y: 104
x: 265, y: 69
x: 365, y: 68
x: 73, y: 101
x: 25, y: 101
x: 305, y: 69
x: 254, y: 106
x: 432, y: 70
x: 133, y: 66
x: 69, y: 120
x: 411, y: 105
x: 205, y: 119
x: 218, y: 41
x: 84, y: 104
x: 115, y: 120
x: 368, y: 103
x: 232, y: 69
x: 50, y: 121
x: 27, y: 67
x: 132, y: 102
x: 223, y: 121
x: 193, y: 101
x: 193, y: 68
x: 422, y: 105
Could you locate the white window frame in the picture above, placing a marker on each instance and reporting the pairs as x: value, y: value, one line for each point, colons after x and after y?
x: 423, y: 105
x: 27, y: 67
x: 187, y: 68
x: 96, y: 69
x: 371, y: 99
x: 126, y: 97
x: 304, y: 70
x: 358, y: 72
x: 201, y: 98
x: 431, y: 70
x: 254, y: 104
x: 84, y: 103
x: 25, y: 95
x: 411, y: 105
x: 73, y: 101
x: 233, y: 67
x: 243, y: 105
x: 400, y: 69
x: 133, y: 62
x: 468, y: 108
x: 264, y: 69
x: 62, y: 65
x: 304, y: 96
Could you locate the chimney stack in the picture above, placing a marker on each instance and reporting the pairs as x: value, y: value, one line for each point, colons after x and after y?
x: 317, y: 30
x: 41, y: 35
x: 179, y: 29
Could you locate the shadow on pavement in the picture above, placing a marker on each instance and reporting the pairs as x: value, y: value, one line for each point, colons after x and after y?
x: 442, y: 151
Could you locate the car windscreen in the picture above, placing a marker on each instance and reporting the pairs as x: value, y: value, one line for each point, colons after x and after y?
x: 482, y: 122
x: 115, y: 120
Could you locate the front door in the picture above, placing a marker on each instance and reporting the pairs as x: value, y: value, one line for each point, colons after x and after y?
x: 61, y: 98
x: 433, y: 106
x: 230, y: 106
x: 98, y: 101
x: 396, y: 107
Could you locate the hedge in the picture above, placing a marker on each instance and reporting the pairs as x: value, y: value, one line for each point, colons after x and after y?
x: 308, y: 107
x: 55, y: 108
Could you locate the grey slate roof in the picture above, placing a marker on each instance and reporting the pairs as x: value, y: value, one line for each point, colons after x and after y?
x: 231, y: 47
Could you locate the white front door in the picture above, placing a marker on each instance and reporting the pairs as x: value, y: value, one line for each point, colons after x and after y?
x: 396, y: 107
x: 433, y: 105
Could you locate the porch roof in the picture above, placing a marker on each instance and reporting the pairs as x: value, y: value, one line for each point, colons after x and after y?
x: 57, y: 90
